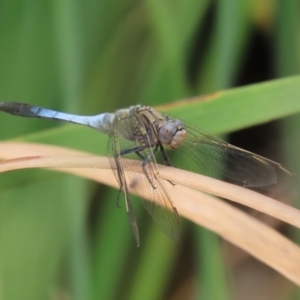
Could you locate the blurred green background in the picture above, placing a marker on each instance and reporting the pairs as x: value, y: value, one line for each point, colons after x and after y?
x: 62, y: 237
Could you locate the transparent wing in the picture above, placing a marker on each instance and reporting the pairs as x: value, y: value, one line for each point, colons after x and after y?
x: 118, y: 169
x: 143, y: 179
x: 161, y: 209
x: 208, y: 155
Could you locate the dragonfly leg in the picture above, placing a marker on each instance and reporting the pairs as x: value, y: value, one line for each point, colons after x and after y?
x: 144, y: 163
x: 166, y: 160
x: 145, y: 160
x: 131, y: 150
x: 164, y: 155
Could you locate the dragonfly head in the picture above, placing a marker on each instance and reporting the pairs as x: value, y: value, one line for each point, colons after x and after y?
x: 172, y: 133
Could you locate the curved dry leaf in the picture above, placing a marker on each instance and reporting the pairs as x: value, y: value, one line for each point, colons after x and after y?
x: 235, y: 226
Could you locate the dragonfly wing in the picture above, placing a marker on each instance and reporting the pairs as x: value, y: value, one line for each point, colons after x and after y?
x: 211, y: 156
x: 118, y: 169
x: 160, y: 207
x: 141, y: 173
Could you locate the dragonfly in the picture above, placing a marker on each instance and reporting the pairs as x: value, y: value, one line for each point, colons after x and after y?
x: 140, y: 135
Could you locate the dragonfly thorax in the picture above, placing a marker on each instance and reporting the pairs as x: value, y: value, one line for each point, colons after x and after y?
x: 172, y: 133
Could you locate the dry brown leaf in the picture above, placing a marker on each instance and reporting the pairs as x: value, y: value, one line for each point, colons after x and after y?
x: 233, y: 225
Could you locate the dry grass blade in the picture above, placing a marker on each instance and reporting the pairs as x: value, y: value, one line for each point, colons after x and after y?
x: 235, y: 226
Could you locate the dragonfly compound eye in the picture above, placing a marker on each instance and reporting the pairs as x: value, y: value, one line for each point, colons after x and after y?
x: 172, y: 133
